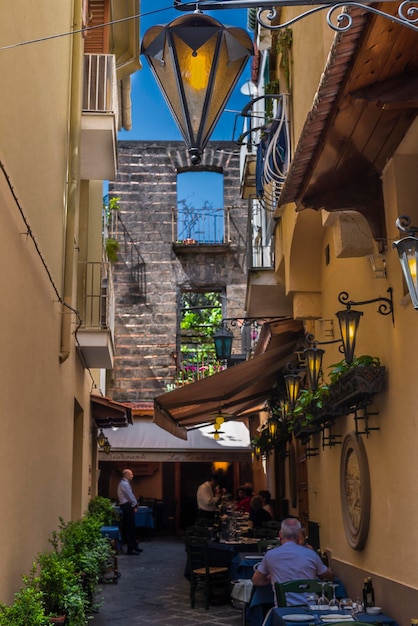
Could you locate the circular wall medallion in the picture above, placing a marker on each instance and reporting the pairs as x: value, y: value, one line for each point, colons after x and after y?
x: 355, y: 491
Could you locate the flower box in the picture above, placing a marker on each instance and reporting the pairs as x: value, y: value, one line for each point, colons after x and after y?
x: 355, y: 387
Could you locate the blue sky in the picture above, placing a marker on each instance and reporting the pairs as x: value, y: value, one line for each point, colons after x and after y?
x: 151, y: 118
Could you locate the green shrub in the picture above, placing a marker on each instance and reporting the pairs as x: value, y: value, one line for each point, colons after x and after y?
x: 103, y: 509
x: 27, y: 608
x: 82, y: 543
x: 61, y: 588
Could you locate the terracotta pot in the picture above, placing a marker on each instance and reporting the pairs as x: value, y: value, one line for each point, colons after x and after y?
x: 58, y: 620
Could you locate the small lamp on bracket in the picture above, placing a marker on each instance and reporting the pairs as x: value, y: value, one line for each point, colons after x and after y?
x: 407, y: 249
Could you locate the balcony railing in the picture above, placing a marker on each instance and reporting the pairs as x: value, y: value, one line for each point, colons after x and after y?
x: 128, y: 254
x: 204, y: 226
x: 96, y: 301
x: 99, y: 84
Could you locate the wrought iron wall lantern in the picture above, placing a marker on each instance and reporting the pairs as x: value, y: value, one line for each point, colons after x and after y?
x: 408, y: 255
x: 266, y: 14
x: 292, y: 382
x: 196, y: 62
x: 103, y: 442
x: 349, y: 319
x: 224, y: 336
x: 313, y: 357
x: 223, y: 343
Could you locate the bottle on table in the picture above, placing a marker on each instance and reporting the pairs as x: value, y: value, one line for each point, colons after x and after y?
x: 368, y: 593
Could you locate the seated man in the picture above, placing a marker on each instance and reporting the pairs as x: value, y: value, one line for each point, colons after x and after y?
x: 290, y: 561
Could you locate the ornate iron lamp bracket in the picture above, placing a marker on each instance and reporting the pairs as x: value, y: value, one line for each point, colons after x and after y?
x: 385, y: 307
x: 407, y: 14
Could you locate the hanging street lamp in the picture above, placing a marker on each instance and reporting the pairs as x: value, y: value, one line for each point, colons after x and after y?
x: 196, y: 62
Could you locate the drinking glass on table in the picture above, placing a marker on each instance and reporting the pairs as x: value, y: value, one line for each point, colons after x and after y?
x: 346, y: 604
x: 312, y: 601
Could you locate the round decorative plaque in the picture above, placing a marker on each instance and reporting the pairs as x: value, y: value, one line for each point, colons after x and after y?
x: 355, y: 491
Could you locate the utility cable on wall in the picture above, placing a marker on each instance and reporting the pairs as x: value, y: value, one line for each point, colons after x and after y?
x: 30, y: 234
x: 85, y: 29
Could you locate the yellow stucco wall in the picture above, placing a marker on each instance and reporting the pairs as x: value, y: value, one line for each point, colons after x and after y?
x: 45, y: 447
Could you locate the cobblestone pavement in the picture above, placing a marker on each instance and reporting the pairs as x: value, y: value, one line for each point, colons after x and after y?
x: 152, y: 590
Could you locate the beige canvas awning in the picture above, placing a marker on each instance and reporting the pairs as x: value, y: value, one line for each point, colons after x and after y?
x: 241, y: 390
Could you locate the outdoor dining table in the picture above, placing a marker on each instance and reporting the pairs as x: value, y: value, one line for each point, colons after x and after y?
x: 222, y: 553
x: 276, y: 617
x: 262, y: 600
x: 144, y: 517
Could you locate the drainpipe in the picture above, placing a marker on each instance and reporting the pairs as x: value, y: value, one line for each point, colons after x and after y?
x: 73, y: 182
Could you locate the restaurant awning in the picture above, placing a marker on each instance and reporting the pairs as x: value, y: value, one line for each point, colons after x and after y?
x: 145, y: 441
x: 107, y: 413
x: 240, y: 391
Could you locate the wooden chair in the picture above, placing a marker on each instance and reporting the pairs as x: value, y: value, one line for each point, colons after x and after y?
x: 266, y: 544
x: 265, y: 533
x: 272, y: 524
x: 297, y: 586
x: 213, y: 580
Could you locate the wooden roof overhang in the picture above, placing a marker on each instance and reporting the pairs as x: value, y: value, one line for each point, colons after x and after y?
x: 365, y: 103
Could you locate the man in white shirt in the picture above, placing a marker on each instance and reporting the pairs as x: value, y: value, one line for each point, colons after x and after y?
x: 208, y: 496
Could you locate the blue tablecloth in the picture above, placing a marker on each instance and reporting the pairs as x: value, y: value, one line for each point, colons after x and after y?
x: 112, y: 532
x: 263, y: 599
x: 275, y: 617
x: 242, y: 565
x: 144, y: 518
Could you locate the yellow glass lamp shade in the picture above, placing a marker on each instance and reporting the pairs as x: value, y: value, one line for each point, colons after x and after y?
x: 408, y: 255
x: 196, y: 62
x: 349, y: 321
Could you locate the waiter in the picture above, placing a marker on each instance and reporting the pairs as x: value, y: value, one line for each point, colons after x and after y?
x: 208, y: 496
x: 129, y: 504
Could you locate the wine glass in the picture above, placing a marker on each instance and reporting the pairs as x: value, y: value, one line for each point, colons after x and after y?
x: 333, y: 603
x: 323, y: 602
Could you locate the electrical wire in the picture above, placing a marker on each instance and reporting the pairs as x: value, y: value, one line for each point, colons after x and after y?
x: 85, y: 29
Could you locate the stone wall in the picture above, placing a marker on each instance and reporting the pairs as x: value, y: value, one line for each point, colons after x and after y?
x: 146, y: 319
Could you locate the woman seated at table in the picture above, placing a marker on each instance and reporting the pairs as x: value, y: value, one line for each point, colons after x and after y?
x: 258, y: 515
x: 243, y: 500
x: 265, y: 496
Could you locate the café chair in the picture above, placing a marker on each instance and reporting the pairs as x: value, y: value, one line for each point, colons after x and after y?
x: 296, y: 586
x: 265, y: 544
x: 265, y: 533
x: 213, y: 580
x: 272, y: 524
x: 198, y: 531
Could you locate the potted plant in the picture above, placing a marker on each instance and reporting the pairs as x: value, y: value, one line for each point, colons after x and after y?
x: 27, y: 608
x: 311, y: 409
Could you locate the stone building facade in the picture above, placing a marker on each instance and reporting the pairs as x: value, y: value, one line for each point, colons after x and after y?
x: 152, y: 268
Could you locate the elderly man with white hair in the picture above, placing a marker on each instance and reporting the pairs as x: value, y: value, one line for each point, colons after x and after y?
x: 290, y: 561
x: 129, y: 504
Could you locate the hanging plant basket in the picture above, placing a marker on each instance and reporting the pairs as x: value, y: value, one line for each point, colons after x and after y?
x: 355, y: 387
